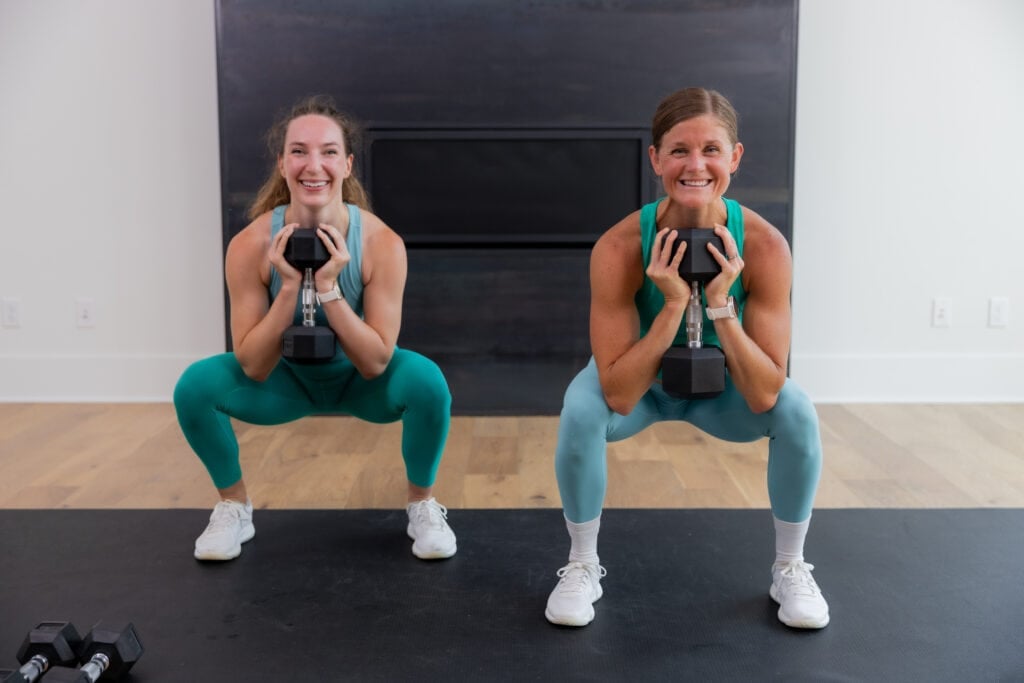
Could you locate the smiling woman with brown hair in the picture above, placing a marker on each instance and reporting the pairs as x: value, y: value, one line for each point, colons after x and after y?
x: 638, y: 306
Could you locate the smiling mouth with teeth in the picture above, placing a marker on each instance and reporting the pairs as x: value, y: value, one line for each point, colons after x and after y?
x: 318, y: 183
x: 696, y: 183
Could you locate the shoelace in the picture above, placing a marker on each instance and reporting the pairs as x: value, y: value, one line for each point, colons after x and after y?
x: 223, y: 517
x: 798, y: 575
x: 575, y: 577
x: 430, y: 513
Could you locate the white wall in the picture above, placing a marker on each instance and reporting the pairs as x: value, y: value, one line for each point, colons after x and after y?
x: 110, y: 188
x: 909, y: 174
x: 906, y: 178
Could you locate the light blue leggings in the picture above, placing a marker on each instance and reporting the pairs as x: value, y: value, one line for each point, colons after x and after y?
x: 412, y: 389
x: 587, y: 425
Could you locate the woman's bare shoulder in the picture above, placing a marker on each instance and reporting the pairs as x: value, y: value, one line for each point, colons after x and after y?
x: 378, y: 235
x: 249, y: 247
x: 622, y: 239
x: 767, y: 259
x: 761, y: 237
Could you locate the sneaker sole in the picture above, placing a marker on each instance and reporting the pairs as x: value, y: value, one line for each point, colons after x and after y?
x: 438, y: 554
x: 247, y: 535
x: 569, y: 621
x: 797, y: 623
x: 434, y: 554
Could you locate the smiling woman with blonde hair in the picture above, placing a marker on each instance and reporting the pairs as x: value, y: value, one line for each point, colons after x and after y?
x: 359, y: 291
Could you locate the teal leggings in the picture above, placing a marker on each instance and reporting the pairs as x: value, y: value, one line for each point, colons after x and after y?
x: 587, y: 425
x: 412, y: 389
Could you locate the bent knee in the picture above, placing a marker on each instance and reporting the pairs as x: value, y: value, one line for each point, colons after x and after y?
x: 204, y: 380
x: 795, y: 411
x: 191, y: 386
x: 584, y: 412
x: 421, y: 379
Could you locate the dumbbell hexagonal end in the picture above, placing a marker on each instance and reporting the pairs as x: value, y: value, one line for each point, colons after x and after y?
x: 698, y: 265
x: 693, y: 373
x: 58, y: 641
x: 305, y: 249
x: 119, y: 642
x: 308, y: 345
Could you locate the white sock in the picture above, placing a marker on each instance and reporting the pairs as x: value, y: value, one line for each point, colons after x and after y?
x: 584, y: 540
x: 789, y: 539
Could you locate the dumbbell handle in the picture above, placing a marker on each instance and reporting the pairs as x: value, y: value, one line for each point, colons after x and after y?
x: 694, y: 318
x: 95, y: 667
x: 34, y: 668
x: 91, y: 671
x: 308, y: 299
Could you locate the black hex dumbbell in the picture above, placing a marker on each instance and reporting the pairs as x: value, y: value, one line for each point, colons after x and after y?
x: 695, y: 370
x: 106, y: 652
x: 307, y: 343
x: 48, y: 644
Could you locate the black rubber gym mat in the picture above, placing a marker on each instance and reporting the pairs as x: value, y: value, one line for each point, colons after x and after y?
x: 915, y: 595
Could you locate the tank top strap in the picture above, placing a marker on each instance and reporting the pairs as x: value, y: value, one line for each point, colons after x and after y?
x: 351, y: 277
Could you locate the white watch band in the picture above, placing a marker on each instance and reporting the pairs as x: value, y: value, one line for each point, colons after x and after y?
x: 329, y: 296
x: 727, y: 311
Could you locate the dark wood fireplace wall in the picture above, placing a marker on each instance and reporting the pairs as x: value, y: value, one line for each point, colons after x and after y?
x: 501, y: 139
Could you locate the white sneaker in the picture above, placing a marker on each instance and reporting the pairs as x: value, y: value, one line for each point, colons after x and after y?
x: 428, y: 527
x: 571, y: 603
x: 801, y: 604
x: 230, y: 526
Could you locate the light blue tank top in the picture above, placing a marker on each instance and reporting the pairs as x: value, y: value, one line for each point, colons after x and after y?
x: 351, y: 277
x: 649, y: 300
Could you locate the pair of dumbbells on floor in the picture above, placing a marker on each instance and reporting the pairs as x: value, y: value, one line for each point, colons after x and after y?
x: 52, y: 652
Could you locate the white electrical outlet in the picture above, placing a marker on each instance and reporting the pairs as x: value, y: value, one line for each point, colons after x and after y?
x: 942, y: 312
x: 85, y: 313
x: 999, y: 311
x: 11, y: 312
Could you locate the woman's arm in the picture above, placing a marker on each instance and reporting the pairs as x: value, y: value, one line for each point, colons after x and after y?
x: 757, y: 351
x: 369, y: 342
x: 256, y: 326
x: 627, y: 365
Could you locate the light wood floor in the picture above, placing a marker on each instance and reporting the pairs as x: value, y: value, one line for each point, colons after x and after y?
x: 89, y: 455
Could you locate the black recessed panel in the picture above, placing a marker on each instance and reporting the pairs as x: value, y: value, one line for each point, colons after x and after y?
x: 494, y: 187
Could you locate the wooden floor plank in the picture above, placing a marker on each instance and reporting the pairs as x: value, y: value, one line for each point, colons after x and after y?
x: 93, y: 455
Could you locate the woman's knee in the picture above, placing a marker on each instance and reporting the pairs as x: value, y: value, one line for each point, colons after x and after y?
x: 795, y: 406
x: 190, y: 386
x: 584, y: 419
x: 420, y: 380
x: 203, y: 380
x: 585, y: 412
x: 796, y: 420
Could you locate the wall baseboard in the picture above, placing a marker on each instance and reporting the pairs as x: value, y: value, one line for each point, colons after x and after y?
x: 827, y: 378
x: 91, y: 379
x: 910, y: 378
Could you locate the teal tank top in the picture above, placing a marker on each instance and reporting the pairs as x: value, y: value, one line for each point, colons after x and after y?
x: 649, y: 300
x: 351, y: 277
